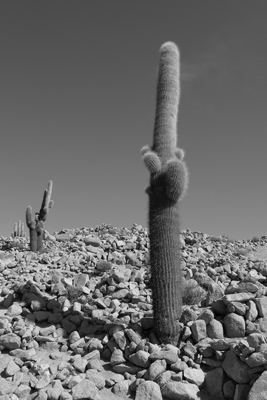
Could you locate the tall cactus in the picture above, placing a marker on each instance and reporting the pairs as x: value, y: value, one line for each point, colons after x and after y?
x: 168, y: 183
x: 36, y: 225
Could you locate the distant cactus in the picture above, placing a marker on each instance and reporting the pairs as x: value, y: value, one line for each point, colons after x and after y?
x: 168, y: 183
x: 36, y: 225
x: 18, y: 230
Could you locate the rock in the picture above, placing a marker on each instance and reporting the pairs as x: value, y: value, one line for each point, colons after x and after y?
x: 10, y: 341
x: 85, y: 390
x: 261, y: 304
x: 156, y: 368
x: 216, y: 375
x: 148, y: 390
x: 199, y: 330
x: 195, y: 376
x: 229, y: 389
x: 234, y: 325
x: 140, y: 358
x: 179, y: 390
x: 215, y: 329
x: 235, y: 369
x: 55, y: 391
x: 259, y: 388
x: 122, y: 388
x: 241, y: 391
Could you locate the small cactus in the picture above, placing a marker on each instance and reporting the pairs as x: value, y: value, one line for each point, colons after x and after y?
x: 36, y: 225
x: 18, y: 230
x: 168, y: 184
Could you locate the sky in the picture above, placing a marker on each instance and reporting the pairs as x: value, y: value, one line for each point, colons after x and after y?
x: 77, y: 103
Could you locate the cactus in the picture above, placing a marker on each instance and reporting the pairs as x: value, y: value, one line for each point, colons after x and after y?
x: 168, y: 184
x: 18, y: 230
x: 36, y: 225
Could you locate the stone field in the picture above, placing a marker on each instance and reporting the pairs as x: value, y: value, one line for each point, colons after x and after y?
x: 76, y: 319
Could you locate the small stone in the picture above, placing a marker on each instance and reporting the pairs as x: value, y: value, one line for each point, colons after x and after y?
x: 14, y: 310
x: 117, y: 357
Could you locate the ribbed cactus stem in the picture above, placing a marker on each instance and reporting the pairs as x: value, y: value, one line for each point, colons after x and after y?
x: 31, y: 224
x: 168, y: 93
x: 168, y: 182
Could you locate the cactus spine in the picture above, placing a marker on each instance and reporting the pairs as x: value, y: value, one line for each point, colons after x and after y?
x: 36, y: 225
x: 168, y: 183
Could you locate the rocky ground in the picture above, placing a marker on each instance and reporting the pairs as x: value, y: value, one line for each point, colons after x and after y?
x: 76, y: 320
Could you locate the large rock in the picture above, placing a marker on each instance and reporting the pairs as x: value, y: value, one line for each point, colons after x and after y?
x: 180, y: 390
x: 148, y: 391
x: 236, y: 369
x: 234, y: 325
x: 216, y: 375
x: 259, y: 389
x: 85, y: 390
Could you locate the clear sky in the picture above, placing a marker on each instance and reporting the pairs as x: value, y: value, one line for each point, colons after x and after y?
x: 77, y: 103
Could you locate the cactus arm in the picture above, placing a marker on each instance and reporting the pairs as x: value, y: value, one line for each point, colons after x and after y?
x: 145, y: 149
x: 46, y: 203
x: 152, y: 162
x: 31, y: 224
x: 176, y: 179
x: 179, y: 153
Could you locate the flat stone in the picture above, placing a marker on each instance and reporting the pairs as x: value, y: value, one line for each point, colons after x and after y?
x: 241, y: 297
x: 180, y: 390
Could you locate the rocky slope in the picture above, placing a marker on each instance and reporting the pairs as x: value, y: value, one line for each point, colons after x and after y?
x: 76, y: 320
